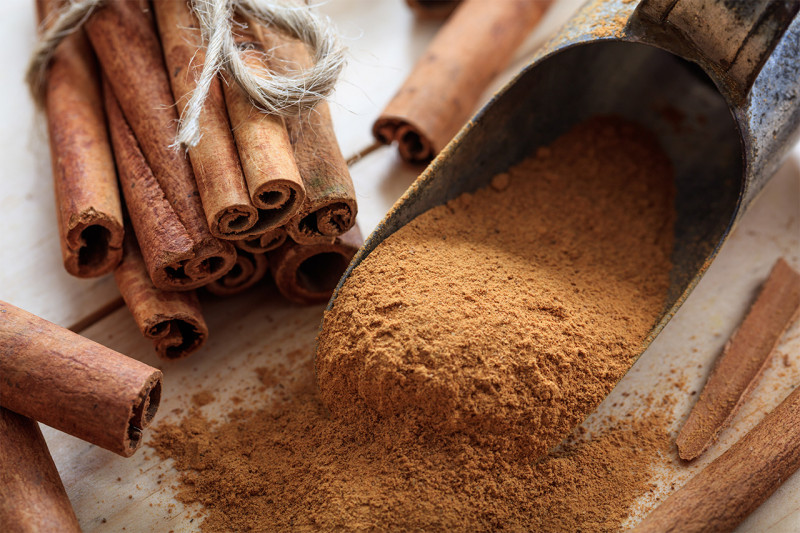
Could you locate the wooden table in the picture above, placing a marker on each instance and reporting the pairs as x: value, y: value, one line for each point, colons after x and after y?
x: 110, y: 493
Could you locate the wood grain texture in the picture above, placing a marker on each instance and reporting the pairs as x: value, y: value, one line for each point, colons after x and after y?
x: 473, y: 47
x: 32, y: 497
x: 125, y: 40
x: 742, y: 361
x: 87, y: 198
x: 73, y: 384
x: 172, y: 320
x: 736, y: 483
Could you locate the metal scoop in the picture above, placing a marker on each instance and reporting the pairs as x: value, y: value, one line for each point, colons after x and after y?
x: 717, y: 81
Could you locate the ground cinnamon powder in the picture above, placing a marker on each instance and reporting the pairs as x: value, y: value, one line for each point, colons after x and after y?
x: 510, y: 313
x: 465, y: 346
x: 293, y: 467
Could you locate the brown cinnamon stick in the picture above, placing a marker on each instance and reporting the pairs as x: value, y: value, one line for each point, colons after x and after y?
x: 74, y: 384
x: 265, y: 150
x: 124, y: 38
x: 474, y: 45
x: 432, y: 9
x: 330, y: 206
x: 174, y: 260
x: 87, y: 198
x: 266, y: 242
x: 172, y: 320
x: 308, y: 273
x: 215, y: 161
x: 742, y: 361
x: 32, y: 496
x: 249, y: 269
x: 737, y: 482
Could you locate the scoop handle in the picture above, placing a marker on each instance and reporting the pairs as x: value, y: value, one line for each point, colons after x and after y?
x: 735, y: 37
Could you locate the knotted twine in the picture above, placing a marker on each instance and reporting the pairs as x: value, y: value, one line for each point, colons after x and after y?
x: 272, y: 93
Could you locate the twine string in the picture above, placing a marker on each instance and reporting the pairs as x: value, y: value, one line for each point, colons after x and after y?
x: 273, y: 93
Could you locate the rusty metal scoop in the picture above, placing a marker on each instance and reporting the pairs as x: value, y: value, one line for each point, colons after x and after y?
x: 729, y: 68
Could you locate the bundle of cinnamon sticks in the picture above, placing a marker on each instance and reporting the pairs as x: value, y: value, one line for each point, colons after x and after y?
x: 221, y: 214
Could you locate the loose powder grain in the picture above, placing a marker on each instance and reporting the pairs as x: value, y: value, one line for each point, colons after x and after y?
x: 509, y: 314
x: 293, y: 467
x: 463, y: 348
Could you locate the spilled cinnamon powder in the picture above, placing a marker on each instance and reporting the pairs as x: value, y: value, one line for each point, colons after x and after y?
x: 458, y: 353
x: 293, y: 467
x: 509, y: 314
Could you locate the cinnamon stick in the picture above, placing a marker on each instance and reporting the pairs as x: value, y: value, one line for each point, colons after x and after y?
x: 249, y: 269
x: 174, y: 260
x: 432, y: 9
x: 330, y: 206
x: 74, y: 384
x: 473, y: 46
x: 124, y: 38
x: 266, y: 242
x: 172, y: 320
x: 721, y: 496
x: 308, y: 273
x: 742, y: 361
x: 89, y: 213
x: 215, y: 161
x: 32, y: 496
x: 265, y: 150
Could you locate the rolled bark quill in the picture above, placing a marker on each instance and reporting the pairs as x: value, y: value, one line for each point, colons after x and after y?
x: 266, y: 242
x: 432, y: 9
x: 742, y: 360
x: 722, y: 495
x: 73, y: 384
x: 330, y: 207
x: 265, y: 150
x: 89, y: 210
x: 220, y: 181
x: 32, y: 496
x: 124, y: 38
x: 249, y: 269
x: 307, y: 274
x: 172, y: 320
x: 169, y: 252
x: 473, y: 46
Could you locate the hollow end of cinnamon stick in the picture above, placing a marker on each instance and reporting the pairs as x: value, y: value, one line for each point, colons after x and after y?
x: 249, y: 269
x: 93, y: 245
x: 308, y: 274
x: 326, y: 220
x: 143, y: 412
x: 175, y: 337
x: 266, y: 242
x: 233, y: 220
x: 412, y: 144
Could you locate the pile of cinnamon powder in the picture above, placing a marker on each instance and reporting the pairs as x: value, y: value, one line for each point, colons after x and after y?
x: 464, y: 347
x: 509, y: 314
x: 293, y: 467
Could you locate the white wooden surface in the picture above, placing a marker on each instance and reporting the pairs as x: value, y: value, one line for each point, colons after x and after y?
x: 384, y: 41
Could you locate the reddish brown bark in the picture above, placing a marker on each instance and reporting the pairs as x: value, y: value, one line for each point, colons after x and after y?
x: 74, y: 384
x: 32, y: 496
x: 87, y: 198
